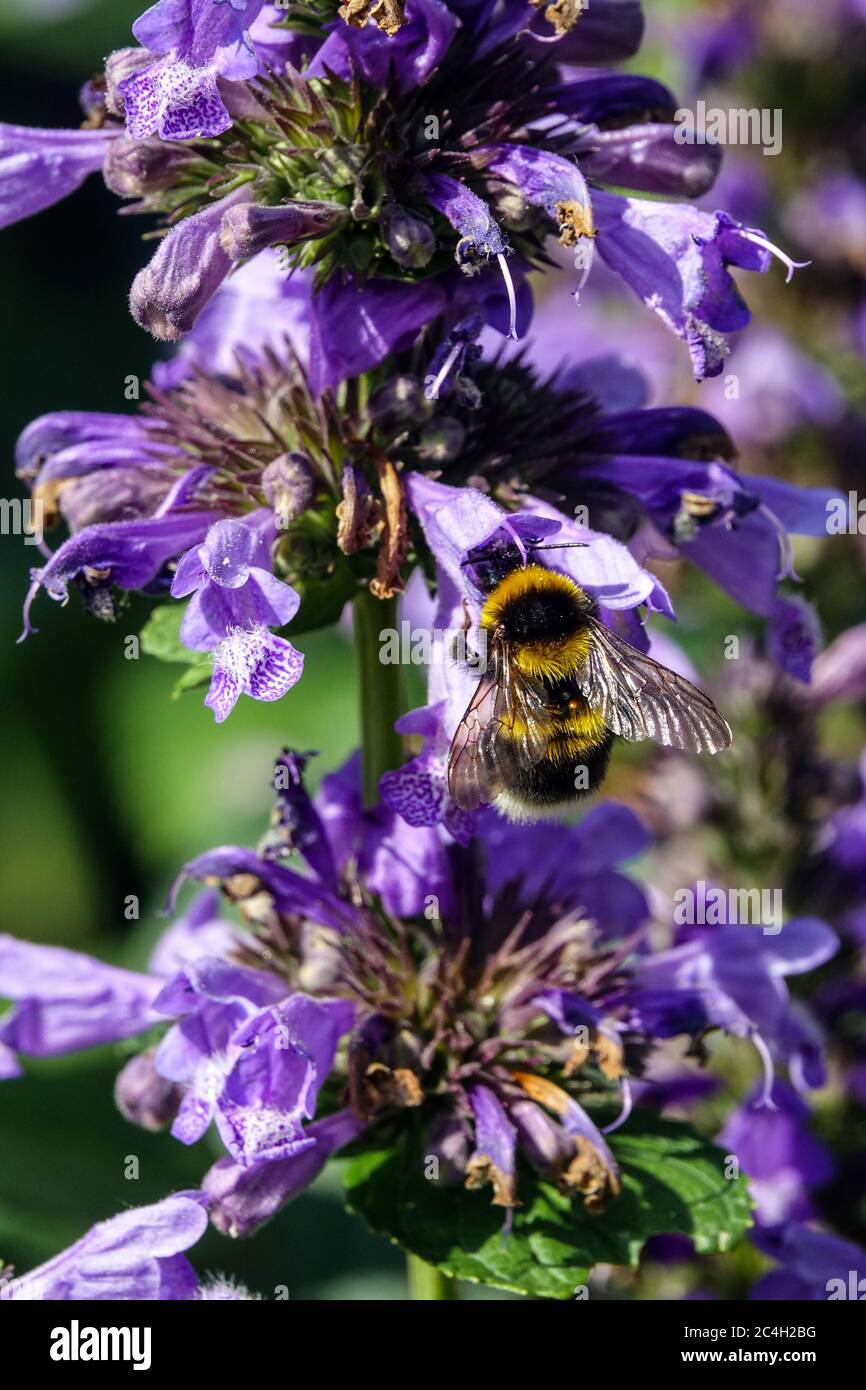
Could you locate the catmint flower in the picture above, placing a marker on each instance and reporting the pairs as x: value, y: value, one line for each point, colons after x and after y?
x: 526, y: 1032
x: 177, y: 95
x: 812, y: 1263
x: 135, y: 1255
x: 484, y: 186
x: 734, y: 977
x: 39, y: 167
x: 235, y: 600
x: 784, y: 1161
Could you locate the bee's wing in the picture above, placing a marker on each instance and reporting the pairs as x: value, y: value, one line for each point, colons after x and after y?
x: 481, y: 763
x: 638, y: 698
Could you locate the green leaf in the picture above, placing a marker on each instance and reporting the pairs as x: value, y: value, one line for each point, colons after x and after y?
x: 196, y: 675
x: 672, y: 1182
x: 160, y: 636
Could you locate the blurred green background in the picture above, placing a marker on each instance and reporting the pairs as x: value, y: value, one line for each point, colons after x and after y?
x: 109, y: 784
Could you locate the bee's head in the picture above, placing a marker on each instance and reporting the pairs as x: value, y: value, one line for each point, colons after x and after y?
x: 508, y: 549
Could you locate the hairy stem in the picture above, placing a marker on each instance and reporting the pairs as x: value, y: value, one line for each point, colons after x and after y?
x: 381, y: 693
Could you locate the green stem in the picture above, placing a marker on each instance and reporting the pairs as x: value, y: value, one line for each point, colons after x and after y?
x: 381, y: 750
x: 381, y: 692
x: 428, y: 1284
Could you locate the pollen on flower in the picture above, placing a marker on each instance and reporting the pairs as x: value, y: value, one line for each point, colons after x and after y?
x: 575, y: 221
x: 240, y: 652
x: 262, y: 1129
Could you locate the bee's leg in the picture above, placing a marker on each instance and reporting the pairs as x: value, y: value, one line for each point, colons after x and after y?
x: 460, y: 651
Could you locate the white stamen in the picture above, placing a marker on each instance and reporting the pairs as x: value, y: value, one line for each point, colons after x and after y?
x: 765, y: 1102
x: 790, y: 265
x: 625, y: 1107
x: 786, y: 553
x: 240, y: 652
x: 512, y: 301
x: 432, y: 388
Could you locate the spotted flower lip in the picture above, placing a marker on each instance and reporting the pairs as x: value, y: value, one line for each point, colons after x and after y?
x: 193, y: 42
x: 242, y: 1198
x: 236, y: 599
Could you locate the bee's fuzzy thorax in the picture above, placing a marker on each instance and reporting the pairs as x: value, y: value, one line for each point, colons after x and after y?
x: 530, y: 580
x: 542, y: 614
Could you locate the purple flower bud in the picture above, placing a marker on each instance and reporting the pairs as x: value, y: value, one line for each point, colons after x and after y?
x: 186, y: 271
x: 133, y: 168
x: 410, y: 239
x: 143, y: 1096
x: 248, y: 229
x: 399, y: 401
x: 289, y: 485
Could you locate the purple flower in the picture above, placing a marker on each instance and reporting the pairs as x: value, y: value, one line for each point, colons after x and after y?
x: 39, y: 167
x: 241, y: 1199
x: 186, y: 271
x: 246, y: 875
x: 236, y: 599
x: 285, y: 1054
x: 199, y: 41
x: 212, y: 999
x: 733, y: 977
x: 676, y: 258
x: 494, y: 1159
x: 129, y: 554
x: 64, y: 1001
x: 813, y: 1265
x: 136, y: 1255
x: 783, y: 1161
x: 411, y: 54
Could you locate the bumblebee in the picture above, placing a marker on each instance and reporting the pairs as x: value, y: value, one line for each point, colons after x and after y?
x: 557, y: 689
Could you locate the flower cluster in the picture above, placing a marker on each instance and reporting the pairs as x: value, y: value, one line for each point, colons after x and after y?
x: 385, y: 232
x: 490, y: 1000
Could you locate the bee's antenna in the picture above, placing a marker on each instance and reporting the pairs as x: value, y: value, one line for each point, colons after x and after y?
x: 561, y: 545
x: 556, y: 545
